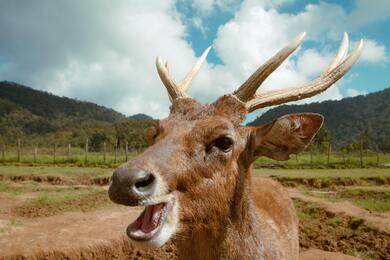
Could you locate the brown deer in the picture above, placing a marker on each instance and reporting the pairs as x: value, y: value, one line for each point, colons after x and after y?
x: 195, y: 178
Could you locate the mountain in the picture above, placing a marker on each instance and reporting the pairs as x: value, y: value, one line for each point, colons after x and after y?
x: 140, y: 117
x: 44, y: 104
x: 38, y: 117
x: 347, y: 119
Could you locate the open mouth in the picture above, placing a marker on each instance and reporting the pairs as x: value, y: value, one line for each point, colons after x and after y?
x: 150, y: 222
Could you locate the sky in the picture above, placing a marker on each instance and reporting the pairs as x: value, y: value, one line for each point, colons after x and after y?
x: 104, y: 51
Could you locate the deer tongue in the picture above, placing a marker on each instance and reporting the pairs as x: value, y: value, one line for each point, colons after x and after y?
x: 151, y: 217
x: 146, y: 225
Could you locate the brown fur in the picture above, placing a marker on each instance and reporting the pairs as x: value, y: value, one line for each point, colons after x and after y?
x: 221, y: 216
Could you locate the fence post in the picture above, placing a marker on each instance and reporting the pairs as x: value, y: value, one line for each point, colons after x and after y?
x: 54, y: 152
x: 104, y: 151
x: 69, y: 152
x: 3, y: 153
x: 126, y: 150
x: 116, y: 150
x: 329, y: 148
x: 311, y: 157
x: 86, y: 150
x: 361, y: 151
x: 377, y: 157
x: 18, y: 149
x: 35, y: 154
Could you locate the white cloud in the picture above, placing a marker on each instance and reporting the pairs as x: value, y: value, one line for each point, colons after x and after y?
x: 320, y: 21
x: 197, y: 22
x: 204, y: 6
x: 311, y: 63
x: 249, y: 39
x: 258, y: 30
x: 207, y: 7
x: 368, y: 12
x: 107, y: 56
x: 374, y: 52
x: 254, y: 35
x: 354, y: 92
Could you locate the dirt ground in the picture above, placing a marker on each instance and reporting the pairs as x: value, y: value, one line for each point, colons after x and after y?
x: 100, y: 233
x: 326, y: 230
x: 379, y: 220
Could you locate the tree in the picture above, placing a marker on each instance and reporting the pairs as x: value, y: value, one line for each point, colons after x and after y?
x: 321, y: 140
x: 97, y: 139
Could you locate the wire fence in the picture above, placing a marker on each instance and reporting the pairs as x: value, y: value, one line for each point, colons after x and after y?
x: 108, y: 154
x: 334, y: 159
x: 111, y: 155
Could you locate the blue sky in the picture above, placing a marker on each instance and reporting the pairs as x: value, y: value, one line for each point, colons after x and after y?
x: 369, y: 77
x: 105, y: 52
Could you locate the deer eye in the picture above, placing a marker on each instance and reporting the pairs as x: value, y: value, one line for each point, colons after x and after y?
x: 224, y: 143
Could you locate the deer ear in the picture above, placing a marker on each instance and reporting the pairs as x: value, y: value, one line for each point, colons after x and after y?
x: 286, y: 135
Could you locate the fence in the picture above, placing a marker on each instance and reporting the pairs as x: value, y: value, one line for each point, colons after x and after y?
x: 112, y: 155
x: 335, y: 159
x: 56, y: 154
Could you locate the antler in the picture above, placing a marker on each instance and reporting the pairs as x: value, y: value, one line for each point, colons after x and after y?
x: 175, y: 90
x: 336, y: 69
x: 248, y: 89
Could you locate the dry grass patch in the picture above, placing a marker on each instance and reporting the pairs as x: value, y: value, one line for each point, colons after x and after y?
x: 66, y: 199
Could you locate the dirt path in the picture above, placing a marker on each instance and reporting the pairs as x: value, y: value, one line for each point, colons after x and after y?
x: 78, y: 229
x: 316, y: 254
x: 379, y: 220
x: 73, y: 231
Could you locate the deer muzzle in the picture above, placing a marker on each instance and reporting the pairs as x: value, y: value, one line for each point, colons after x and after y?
x: 133, y: 186
x: 129, y: 186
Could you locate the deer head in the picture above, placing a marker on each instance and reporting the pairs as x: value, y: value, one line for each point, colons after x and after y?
x: 195, y: 176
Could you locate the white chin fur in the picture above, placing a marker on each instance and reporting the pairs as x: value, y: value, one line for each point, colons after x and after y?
x: 166, y: 231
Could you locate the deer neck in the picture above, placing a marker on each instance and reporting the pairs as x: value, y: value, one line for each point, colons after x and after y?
x: 230, y: 236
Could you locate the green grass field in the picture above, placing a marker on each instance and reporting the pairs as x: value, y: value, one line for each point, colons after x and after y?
x: 56, y: 174
x: 328, y: 178
x: 68, y: 171
x: 323, y: 173
x: 44, y: 199
x: 336, y: 160
x: 372, y: 198
x: 64, y: 171
x: 78, y: 157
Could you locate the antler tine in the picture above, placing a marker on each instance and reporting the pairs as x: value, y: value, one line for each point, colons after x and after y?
x: 335, y: 71
x: 248, y: 89
x: 341, y: 54
x: 173, y: 89
x: 176, y: 91
x: 195, y: 69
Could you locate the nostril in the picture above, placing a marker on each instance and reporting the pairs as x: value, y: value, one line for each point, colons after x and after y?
x: 145, y: 182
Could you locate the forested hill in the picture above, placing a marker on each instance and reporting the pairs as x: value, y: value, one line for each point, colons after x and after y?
x: 140, y: 117
x: 347, y: 119
x: 40, y: 118
x: 48, y: 105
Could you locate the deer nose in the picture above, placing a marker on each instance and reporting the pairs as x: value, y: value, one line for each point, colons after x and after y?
x: 128, y: 186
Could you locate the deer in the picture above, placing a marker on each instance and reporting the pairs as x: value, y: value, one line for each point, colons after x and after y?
x: 194, y: 180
